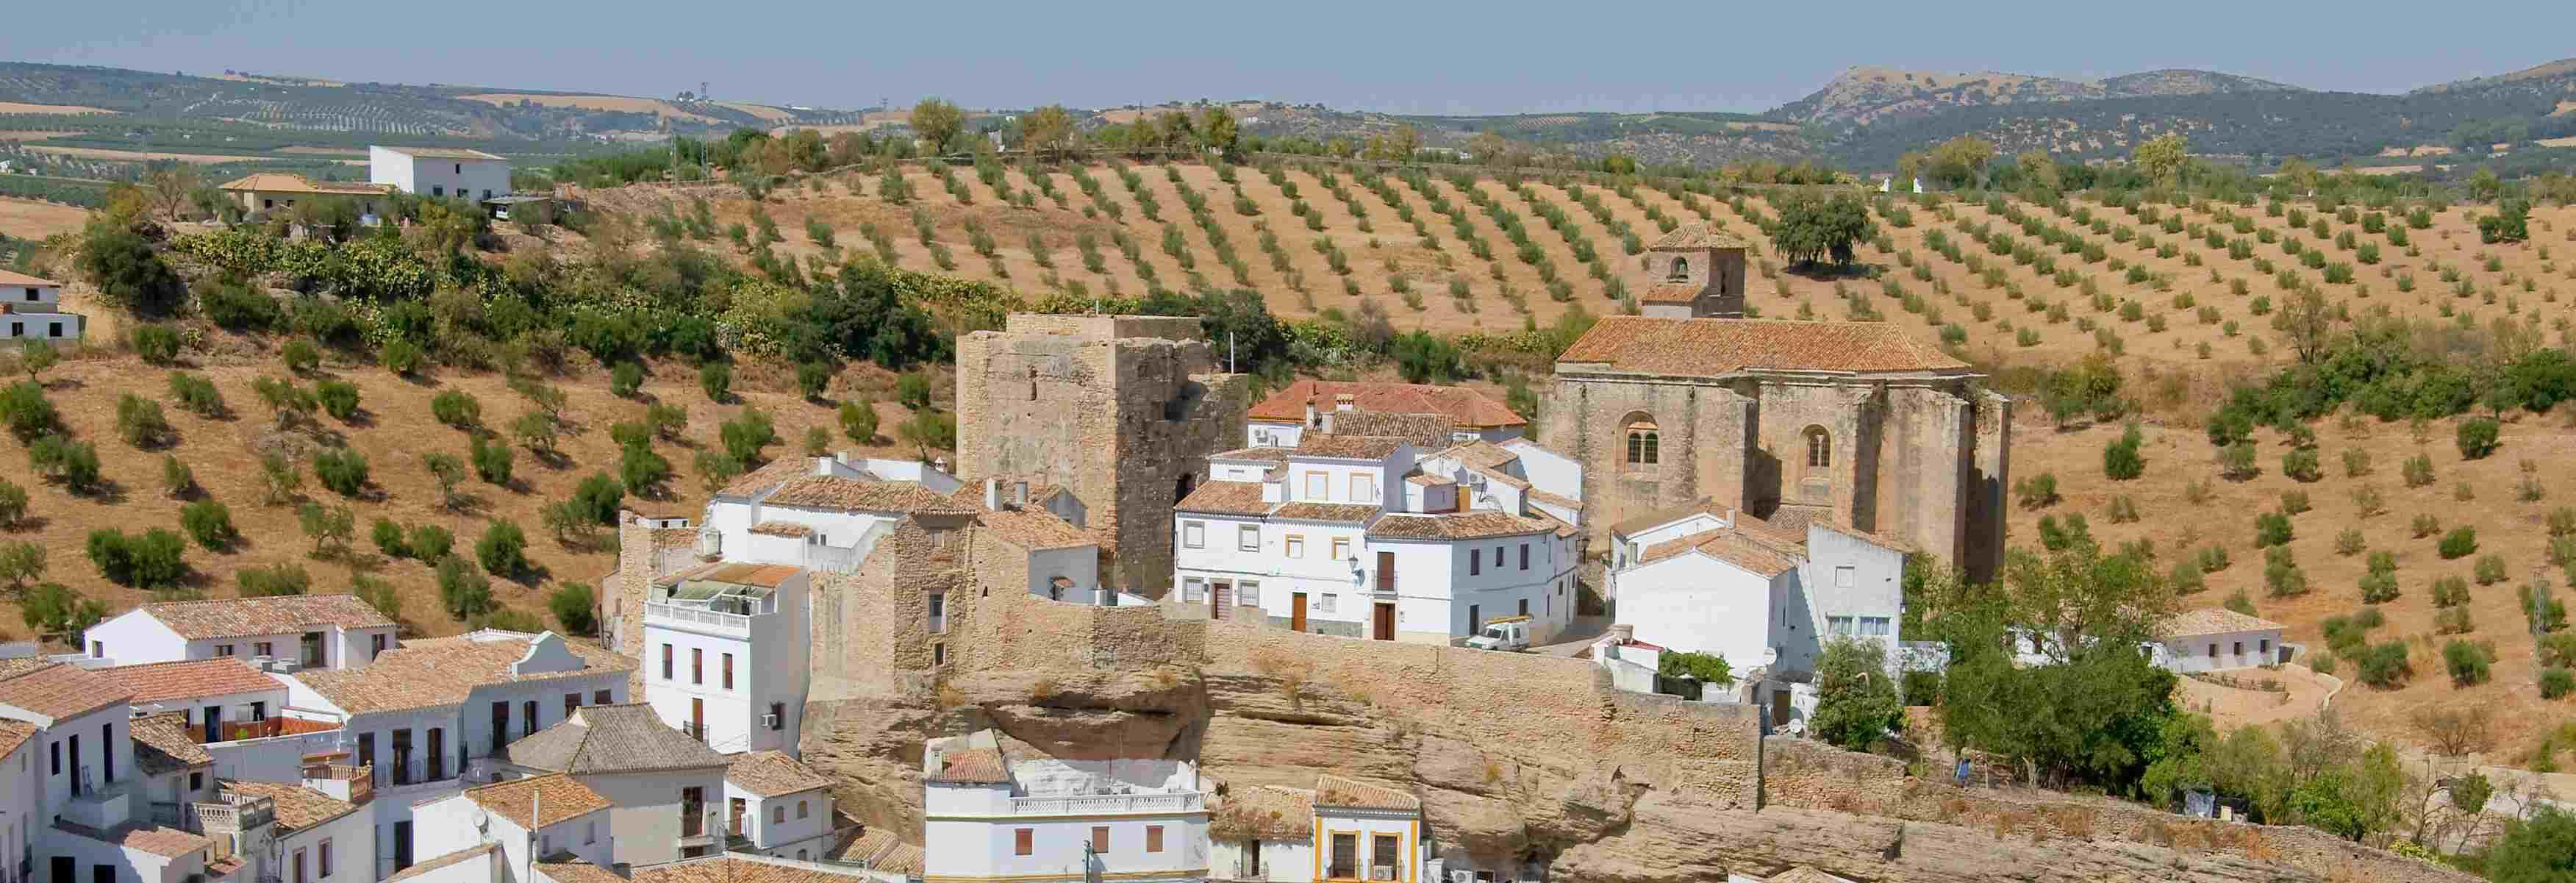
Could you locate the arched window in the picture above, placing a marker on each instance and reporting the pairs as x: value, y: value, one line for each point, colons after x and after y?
x: 1681, y: 269
x: 1820, y: 448
x: 1645, y: 441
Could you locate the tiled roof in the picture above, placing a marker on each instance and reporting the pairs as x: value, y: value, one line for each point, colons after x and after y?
x: 190, y: 679
x: 61, y: 691
x: 284, y: 614
x: 1264, y: 812
x: 577, y: 872
x: 14, y: 733
x: 442, y: 152
x: 1473, y: 525
x: 881, y: 850
x: 1335, y: 791
x: 1348, y: 513
x: 778, y: 471
x: 12, y: 277
x: 154, y: 839
x: 1672, y: 293
x: 742, y: 869
x: 835, y: 492
x: 1805, y: 874
x: 1864, y: 535
x: 1427, y: 480
x: 1225, y: 498
x: 434, y: 672
x: 1464, y: 406
x: 282, y: 182
x: 609, y: 739
x: 558, y: 796
x: 767, y: 576
x: 772, y: 773
x: 1348, y: 447
x: 1699, y: 236
x: 18, y: 665
x: 1036, y: 529
x: 1478, y: 454
x: 1730, y: 545
x: 1552, y: 499
x: 1717, y: 347
x: 164, y: 743
x: 972, y: 766
x: 298, y: 808
x: 458, y: 857
x: 782, y: 529
x: 2211, y: 621
x: 1267, y: 453
x: 1668, y: 515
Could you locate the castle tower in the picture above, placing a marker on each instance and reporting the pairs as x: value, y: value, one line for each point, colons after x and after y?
x: 1694, y: 272
x: 1123, y: 411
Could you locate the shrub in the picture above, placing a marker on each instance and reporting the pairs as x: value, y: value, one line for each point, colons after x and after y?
x: 196, y: 394
x: 2349, y: 542
x: 13, y: 503
x: 154, y: 559
x: 859, y: 421
x: 575, y: 606
x: 157, y: 344
x: 429, y: 542
x: 2036, y: 491
x: 814, y: 378
x: 2378, y: 587
x: 75, y: 464
x: 29, y: 414
x: 2477, y: 437
x: 598, y: 498
x: 343, y: 470
x: 2294, y: 502
x: 389, y: 538
x: 139, y: 422
x: 456, y: 408
x: 2450, y: 591
x: 2367, y: 502
x: 2453, y: 621
x: 281, y: 579
x: 464, y: 591
x: 176, y: 478
x: 2300, y: 464
x: 339, y: 398
x: 234, y: 305
x: 625, y: 379
x: 745, y: 436
x: 913, y: 390
x: 2281, y: 574
x: 2120, y: 459
x: 2468, y: 663
x: 492, y: 461
x: 328, y: 527
x: 2556, y: 683
x: 2489, y: 570
x: 301, y: 356
x: 2122, y: 510
x: 503, y: 548
x: 2385, y: 666
x: 401, y: 356
x: 210, y: 523
x: 2426, y: 525
x: 2271, y: 529
x: 2321, y: 662
x: 642, y: 470
x: 2459, y: 543
x: 716, y: 380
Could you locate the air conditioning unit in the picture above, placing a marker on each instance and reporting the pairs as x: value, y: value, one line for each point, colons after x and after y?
x: 1461, y: 875
x: 769, y: 721
x: 1381, y: 872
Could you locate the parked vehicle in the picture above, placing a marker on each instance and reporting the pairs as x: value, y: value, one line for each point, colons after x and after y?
x: 1505, y: 633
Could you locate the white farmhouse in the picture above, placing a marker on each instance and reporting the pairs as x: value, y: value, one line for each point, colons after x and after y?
x: 1310, y: 405
x: 986, y: 817
x: 662, y: 785
x: 32, y: 309
x: 776, y: 805
x: 2213, y: 638
x: 439, y: 171
x: 1364, y: 536
x: 301, y: 631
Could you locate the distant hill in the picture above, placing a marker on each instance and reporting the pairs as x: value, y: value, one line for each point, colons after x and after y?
x: 2557, y: 71
x: 1867, y: 94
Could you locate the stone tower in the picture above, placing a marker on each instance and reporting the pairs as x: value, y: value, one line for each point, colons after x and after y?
x: 1121, y: 410
x: 1694, y: 272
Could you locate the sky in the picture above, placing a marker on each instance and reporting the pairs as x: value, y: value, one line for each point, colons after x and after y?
x: 1403, y: 57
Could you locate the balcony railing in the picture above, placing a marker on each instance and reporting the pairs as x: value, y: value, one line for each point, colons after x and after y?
x: 1099, y: 804
x: 654, y: 610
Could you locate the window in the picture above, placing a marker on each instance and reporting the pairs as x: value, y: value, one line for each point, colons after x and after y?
x: 1296, y: 544
x: 223, y: 649
x: 1023, y: 842
x: 800, y: 855
x: 572, y: 702
x: 590, y: 832
x: 261, y: 649
x: 375, y: 646
x: 1100, y: 839
x: 1645, y: 443
x: 2238, y: 648
x: 1475, y: 562
x: 54, y: 329
x: 1846, y: 577
x: 1820, y: 448
x: 438, y: 190
x: 801, y: 809
x: 1153, y: 838
x: 938, y: 613
x: 545, y: 844
x: 601, y: 698
x: 1324, y: 603
x: 1341, y: 548
x: 528, y: 727
x: 1839, y: 625
x: 1874, y: 626
x: 1247, y: 593
x: 1524, y: 608
x: 196, y: 781
x: 777, y: 715
x: 666, y: 662
x: 1346, y: 857
x: 1524, y: 556
x: 1363, y: 489
x: 1193, y: 534
x: 728, y: 671
x: 1247, y: 538
x: 98, y: 649
x: 1193, y: 590
x: 1317, y: 487
x: 437, y: 753
x: 2265, y: 645
x: 1681, y: 269
x: 1475, y: 618
x: 2213, y: 649
x: 778, y: 815
x: 697, y: 665
x: 939, y: 654
x: 460, y: 169
x: 58, y: 759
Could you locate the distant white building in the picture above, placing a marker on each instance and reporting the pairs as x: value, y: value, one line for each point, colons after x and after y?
x: 776, y: 805
x: 439, y: 171
x: 662, y: 786
x: 1342, y: 829
x: 987, y: 817
x: 1310, y: 405
x: 2213, y: 638
x: 32, y: 309
x: 74, y: 801
x: 1367, y: 536
x: 300, y: 631
x: 819, y: 513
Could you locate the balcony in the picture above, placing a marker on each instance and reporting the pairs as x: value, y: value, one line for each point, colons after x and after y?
x: 239, y: 815
x: 1109, y: 804
x: 698, y: 619
x: 100, y: 805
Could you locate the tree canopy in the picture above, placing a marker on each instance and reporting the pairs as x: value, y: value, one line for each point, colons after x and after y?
x: 1812, y: 228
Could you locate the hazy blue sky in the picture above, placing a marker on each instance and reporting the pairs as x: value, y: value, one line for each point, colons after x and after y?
x: 1397, y: 56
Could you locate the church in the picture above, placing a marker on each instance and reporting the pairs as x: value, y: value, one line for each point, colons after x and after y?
x: 1852, y: 423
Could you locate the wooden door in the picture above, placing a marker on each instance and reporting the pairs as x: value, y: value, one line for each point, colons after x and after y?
x: 299, y: 866
x: 1297, y: 612
x: 1780, y: 709
x: 1385, y: 622
x: 1220, y: 598
x: 735, y: 826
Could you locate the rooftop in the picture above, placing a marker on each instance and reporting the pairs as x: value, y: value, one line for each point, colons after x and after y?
x: 435, y: 672
x: 1671, y: 293
x: 1264, y: 812
x: 190, y: 679
x: 1335, y: 791
x: 14, y: 733
x: 1348, y: 447
x: 971, y: 766
x: 1466, y: 407
x: 1347, y: 513
x: 1733, y: 545
x: 846, y: 494
x: 12, y: 277
x: 782, y: 529
x: 285, y: 614
x: 1670, y: 514
x: 1225, y: 498
x: 1699, y: 236
x: 441, y: 152
x: 611, y: 739
x: 881, y: 850
x: 163, y: 743
x: 1035, y: 529
x: 283, y: 182
x: 1267, y: 453
x: 453, y: 858
x: 1719, y: 347
x: 743, y: 868
x: 61, y: 691
x: 1472, y: 525
x: 298, y: 808
x: 558, y: 796
x: 766, y: 576
x: 155, y: 839
x: 772, y: 773
x: 577, y: 871
x: 2211, y: 621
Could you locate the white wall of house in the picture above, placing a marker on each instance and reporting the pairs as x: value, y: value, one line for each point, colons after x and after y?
x: 352, y: 840
x: 134, y: 636
x: 25, y: 324
x: 129, y: 865
x: 1289, y: 557
x: 137, y: 637
x: 1626, y: 549
x: 971, y: 832
x: 1279, y: 861
x: 1855, y: 587
x: 1363, y: 827
x: 1695, y: 603
x: 22, y: 783
x: 769, y: 672
x: 1545, y: 470
x: 233, y: 707
x: 647, y: 809
x: 787, y: 824
x: 32, y: 298
x: 437, y: 175
x: 1081, y: 564
x: 2211, y: 652
x: 1324, y: 480
x: 1273, y: 433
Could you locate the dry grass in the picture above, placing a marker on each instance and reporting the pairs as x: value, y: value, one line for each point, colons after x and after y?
x: 66, y: 109
x: 146, y: 156
x: 593, y: 102
x: 29, y: 219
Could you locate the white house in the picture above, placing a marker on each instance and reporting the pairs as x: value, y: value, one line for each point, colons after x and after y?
x: 530, y: 819
x: 778, y: 806
x: 661, y: 785
x: 1310, y: 405
x: 176, y: 768
x: 439, y: 171
x: 222, y: 699
x: 1704, y: 580
x: 32, y: 309
x: 2212, y: 638
x: 311, y: 837
x: 1363, y: 536
x: 986, y: 817
x: 77, y: 806
x: 820, y: 513
x: 1341, y: 830
x: 725, y: 648
x: 302, y: 631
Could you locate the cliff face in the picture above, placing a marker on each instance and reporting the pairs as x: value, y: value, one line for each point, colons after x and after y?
x: 1517, y: 755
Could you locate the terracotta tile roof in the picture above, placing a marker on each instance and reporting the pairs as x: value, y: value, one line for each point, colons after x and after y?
x: 443, y: 671
x: 441, y: 152
x: 61, y: 691
x: 154, y: 839
x: 298, y: 808
x: 1348, y: 447
x: 454, y: 858
x: 1699, y: 236
x: 1464, y: 406
x: 2211, y: 621
x: 881, y: 850
x: 778, y: 472
x: 1347, y: 513
x: 164, y: 743
x: 1672, y: 293
x: 610, y: 739
x: 14, y: 733
x: 772, y: 773
x: 1427, y: 480
x: 1266, y: 453
x: 1718, y: 347
x: 12, y: 277
x: 767, y: 576
x: 1668, y: 515
x: 1730, y: 545
x: 1895, y: 543
x: 1552, y: 499
x: 782, y: 529
x: 1264, y: 812
x: 1478, y: 454
x: 845, y: 494
x: 1335, y: 791
x: 972, y: 766
x: 577, y: 872
x: 285, y: 614
x: 558, y: 796
x: 1805, y: 874
x: 1473, y: 525
x: 18, y: 665
x: 282, y: 182
x: 190, y: 679
x: 1036, y: 529
x: 1225, y: 498
x: 742, y: 869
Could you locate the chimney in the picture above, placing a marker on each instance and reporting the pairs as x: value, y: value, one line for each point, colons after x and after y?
x: 1345, y: 402
x: 992, y: 495
x: 823, y: 465
x: 1310, y: 414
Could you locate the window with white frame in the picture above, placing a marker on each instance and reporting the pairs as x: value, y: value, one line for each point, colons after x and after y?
x: 1193, y: 590
x: 1839, y: 625
x: 1363, y: 489
x: 1874, y: 626
x: 1341, y: 548
x: 1296, y: 544
x: 1846, y: 577
x: 1318, y: 486
x: 1247, y: 537
x: 1248, y: 593
x: 1194, y: 534
x: 1324, y: 603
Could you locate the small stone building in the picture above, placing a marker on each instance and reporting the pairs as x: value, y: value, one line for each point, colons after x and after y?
x: 1694, y: 272
x: 2212, y: 638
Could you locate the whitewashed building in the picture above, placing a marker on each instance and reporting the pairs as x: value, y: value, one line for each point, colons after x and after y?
x: 662, y: 786
x: 439, y: 171
x: 2213, y: 638
x: 309, y: 836
x: 222, y: 699
x: 726, y: 649
x: 1368, y: 537
x: 776, y: 805
x: 297, y: 631
x: 987, y: 817
x: 531, y: 819
x: 1310, y: 405
x: 1342, y: 829
x: 77, y: 804
x: 819, y: 513
x: 32, y: 309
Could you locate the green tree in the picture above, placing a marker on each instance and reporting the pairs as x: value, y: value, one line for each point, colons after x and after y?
x: 1961, y: 161
x: 575, y: 605
x: 1856, y: 702
x: 859, y: 421
x: 1048, y: 130
x: 449, y: 472
x: 2161, y: 158
x: 128, y: 273
x: 2540, y: 848
x: 1813, y: 228
x: 330, y: 528
x: 937, y: 122
x: 503, y: 549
